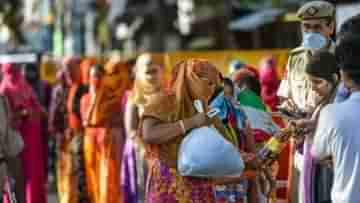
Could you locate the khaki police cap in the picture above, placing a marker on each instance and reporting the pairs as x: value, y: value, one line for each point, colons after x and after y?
x: 316, y: 10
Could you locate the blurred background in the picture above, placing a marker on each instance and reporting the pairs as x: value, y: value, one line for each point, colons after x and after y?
x: 220, y: 31
x: 97, y: 27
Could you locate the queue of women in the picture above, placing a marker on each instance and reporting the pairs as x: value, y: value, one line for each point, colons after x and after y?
x: 118, y: 127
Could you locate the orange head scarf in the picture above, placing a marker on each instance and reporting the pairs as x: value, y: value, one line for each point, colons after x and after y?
x: 191, y: 80
x: 85, y: 67
x: 108, y: 96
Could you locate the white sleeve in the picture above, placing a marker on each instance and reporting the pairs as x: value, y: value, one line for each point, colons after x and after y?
x: 284, y: 89
x: 323, y: 135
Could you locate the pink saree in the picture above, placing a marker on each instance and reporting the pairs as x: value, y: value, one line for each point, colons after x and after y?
x: 22, y: 97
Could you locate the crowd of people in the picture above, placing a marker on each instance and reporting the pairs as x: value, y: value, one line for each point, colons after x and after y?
x: 110, y: 132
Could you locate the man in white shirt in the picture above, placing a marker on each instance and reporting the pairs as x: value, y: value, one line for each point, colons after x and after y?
x: 338, y: 132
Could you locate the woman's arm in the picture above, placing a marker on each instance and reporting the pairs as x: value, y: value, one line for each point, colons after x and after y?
x: 157, y: 132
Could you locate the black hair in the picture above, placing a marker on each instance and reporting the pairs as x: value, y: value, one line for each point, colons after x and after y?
x: 347, y: 54
x: 251, y: 82
x: 322, y: 64
x: 352, y: 25
x: 329, y: 21
x: 228, y: 82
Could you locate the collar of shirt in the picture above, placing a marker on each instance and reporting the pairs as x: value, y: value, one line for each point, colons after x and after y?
x: 342, y: 93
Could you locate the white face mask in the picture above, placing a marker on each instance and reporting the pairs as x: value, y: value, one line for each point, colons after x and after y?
x: 314, y: 40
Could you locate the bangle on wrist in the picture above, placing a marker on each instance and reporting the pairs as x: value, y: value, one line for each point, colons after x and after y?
x: 181, y: 122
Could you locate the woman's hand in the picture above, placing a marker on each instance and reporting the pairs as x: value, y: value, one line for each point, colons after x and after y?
x: 197, y: 121
x: 303, y: 123
x: 303, y: 127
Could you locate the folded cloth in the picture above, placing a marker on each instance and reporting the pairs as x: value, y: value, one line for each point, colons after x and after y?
x: 260, y: 120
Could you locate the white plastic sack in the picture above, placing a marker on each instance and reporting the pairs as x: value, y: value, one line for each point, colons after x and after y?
x: 205, y: 153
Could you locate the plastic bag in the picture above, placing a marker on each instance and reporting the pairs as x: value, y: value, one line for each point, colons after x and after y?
x: 205, y: 153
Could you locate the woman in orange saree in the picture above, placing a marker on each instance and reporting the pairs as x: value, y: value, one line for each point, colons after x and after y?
x: 165, y: 121
x: 102, y: 117
x: 69, y: 171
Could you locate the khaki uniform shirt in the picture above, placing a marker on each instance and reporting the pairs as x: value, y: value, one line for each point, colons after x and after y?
x: 296, y: 85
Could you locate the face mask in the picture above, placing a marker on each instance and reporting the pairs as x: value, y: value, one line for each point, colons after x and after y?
x: 314, y: 40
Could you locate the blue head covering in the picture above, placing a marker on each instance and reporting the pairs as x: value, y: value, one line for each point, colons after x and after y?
x: 225, y: 106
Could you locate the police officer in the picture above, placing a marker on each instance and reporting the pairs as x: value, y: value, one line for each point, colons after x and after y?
x: 317, y: 26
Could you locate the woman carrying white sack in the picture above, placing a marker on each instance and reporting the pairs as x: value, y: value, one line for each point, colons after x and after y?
x: 166, y: 121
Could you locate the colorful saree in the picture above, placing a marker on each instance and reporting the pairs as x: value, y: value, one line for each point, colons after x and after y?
x: 164, y: 184
x: 70, y: 164
x: 102, y: 160
x: 103, y: 142
x: 129, y: 172
x: 21, y: 97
